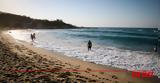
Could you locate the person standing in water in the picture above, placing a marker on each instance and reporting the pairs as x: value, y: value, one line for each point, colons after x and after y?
x: 156, y: 45
x: 32, y: 37
x: 89, y: 45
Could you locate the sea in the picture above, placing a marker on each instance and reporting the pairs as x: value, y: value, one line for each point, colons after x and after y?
x: 126, y: 48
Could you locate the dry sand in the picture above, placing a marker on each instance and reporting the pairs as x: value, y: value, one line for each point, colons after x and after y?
x: 41, y: 65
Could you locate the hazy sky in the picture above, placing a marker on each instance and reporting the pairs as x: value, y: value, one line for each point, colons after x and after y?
x: 97, y: 13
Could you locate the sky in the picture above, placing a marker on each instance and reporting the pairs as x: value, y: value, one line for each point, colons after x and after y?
x: 89, y: 13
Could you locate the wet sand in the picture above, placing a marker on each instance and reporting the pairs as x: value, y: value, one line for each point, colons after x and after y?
x: 22, y: 62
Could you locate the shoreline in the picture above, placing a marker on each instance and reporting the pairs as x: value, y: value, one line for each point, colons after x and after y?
x: 72, y: 63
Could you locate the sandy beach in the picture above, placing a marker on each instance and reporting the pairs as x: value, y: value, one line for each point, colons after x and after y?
x: 22, y: 62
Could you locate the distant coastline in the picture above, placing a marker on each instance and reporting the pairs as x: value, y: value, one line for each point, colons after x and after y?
x: 12, y: 21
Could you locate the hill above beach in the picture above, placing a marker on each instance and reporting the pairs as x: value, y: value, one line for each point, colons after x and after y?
x: 12, y: 21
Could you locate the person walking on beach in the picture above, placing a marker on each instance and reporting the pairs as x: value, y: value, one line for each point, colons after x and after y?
x: 89, y: 45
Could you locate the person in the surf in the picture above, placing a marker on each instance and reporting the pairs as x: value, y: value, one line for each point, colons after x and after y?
x: 155, y: 49
x: 31, y: 37
x: 156, y: 46
x: 34, y: 36
x: 89, y: 45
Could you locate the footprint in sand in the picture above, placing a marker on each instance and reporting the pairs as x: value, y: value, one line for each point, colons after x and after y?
x: 81, y: 81
x: 89, y: 69
x: 116, y: 82
x: 114, y: 77
x: 92, y: 81
x: 94, y: 75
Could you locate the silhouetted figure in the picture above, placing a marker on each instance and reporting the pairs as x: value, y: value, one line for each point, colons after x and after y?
x: 155, y: 49
x: 89, y: 45
x: 32, y: 37
x: 156, y: 45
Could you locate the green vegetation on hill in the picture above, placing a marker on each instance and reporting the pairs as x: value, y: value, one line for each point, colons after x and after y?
x: 22, y: 22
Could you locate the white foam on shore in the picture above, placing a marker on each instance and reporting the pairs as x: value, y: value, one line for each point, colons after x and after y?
x: 125, y: 59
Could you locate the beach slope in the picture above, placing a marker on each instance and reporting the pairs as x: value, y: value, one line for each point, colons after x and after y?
x: 22, y: 62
